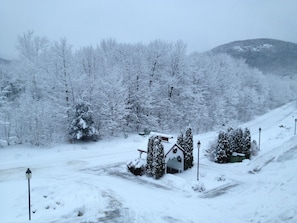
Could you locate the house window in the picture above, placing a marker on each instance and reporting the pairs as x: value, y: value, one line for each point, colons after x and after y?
x: 179, y: 159
x: 175, y: 150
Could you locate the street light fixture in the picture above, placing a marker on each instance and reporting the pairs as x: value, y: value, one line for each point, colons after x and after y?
x: 259, y: 137
x: 198, y: 145
x: 28, y: 176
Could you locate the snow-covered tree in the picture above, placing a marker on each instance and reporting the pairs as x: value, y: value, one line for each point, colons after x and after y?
x: 222, y: 148
x: 234, y: 140
x: 155, y: 166
x: 189, y: 147
x: 158, y: 159
x: 186, y: 143
x: 150, y: 156
x: 247, y: 143
x: 81, y: 127
x: 180, y: 140
x: 130, y: 87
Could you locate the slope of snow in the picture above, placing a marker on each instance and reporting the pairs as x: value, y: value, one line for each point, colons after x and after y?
x: 90, y: 182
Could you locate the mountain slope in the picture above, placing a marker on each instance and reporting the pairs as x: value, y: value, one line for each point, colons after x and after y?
x: 268, y: 55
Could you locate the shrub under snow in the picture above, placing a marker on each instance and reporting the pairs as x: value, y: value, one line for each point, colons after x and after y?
x: 137, y: 166
x: 198, y: 186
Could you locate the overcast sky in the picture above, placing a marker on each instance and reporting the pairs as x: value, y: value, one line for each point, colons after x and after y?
x: 201, y: 24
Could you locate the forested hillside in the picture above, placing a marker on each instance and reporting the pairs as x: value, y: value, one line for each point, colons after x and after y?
x: 128, y: 87
x: 268, y: 55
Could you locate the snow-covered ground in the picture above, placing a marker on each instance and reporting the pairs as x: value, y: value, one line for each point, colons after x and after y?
x: 90, y: 182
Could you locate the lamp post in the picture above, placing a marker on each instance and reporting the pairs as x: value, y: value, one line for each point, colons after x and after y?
x: 198, y: 146
x: 295, y: 126
x: 259, y: 137
x: 28, y: 176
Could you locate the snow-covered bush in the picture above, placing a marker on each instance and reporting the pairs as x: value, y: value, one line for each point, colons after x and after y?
x: 137, y: 166
x: 82, y: 125
x: 198, y: 186
x: 211, y: 151
x: 221, y: 177
x: 254, y: 148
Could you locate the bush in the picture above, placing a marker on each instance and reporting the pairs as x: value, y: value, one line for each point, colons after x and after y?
x: 197, y: 186
x: 137, y: 166
x: 254, y: 148
x: 221, y: 178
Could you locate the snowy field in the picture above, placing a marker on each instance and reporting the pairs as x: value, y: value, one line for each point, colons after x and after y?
x: 90, y: 182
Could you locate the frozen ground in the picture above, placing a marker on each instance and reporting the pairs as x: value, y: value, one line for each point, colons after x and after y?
x: 90, y: 183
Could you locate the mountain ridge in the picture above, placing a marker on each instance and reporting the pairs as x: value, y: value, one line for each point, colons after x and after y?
x: 270, y: 56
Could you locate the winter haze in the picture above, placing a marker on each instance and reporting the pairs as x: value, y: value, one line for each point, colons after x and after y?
x: 90, y: 81
x: 202, y: 25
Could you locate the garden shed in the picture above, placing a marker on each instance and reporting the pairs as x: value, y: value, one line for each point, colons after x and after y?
x: 237, y: 157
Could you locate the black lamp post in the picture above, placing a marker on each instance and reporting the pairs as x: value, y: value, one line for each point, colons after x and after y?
x: 198, y: 145
x: 259, y: 137
x: 28, y: 176
x: 295, y: 126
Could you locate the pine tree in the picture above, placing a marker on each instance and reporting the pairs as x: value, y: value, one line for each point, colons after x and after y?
x: 247, y: 143
x: 238, y: 138
x: 223, y: 144
x: 81, y: 127
x: 150, y: 156
x: 180, y: 141
x: 232, y: 145
x: 188, y: 142
x: 159, y: 159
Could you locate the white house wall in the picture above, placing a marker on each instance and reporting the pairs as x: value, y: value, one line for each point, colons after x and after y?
x: 171, y: 155
x: 171, y: 159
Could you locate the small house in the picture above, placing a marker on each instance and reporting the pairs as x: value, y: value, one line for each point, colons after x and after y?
x: 174, y: 153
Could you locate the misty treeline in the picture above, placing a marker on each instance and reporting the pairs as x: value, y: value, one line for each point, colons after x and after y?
x: 128, y: 87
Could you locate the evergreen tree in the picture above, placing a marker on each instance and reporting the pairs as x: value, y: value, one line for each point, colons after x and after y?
x: 237, y: 138
x: 223, y: 145
x: 150, y: 156
x: 180, y: 141
x: 232, y: 145
x: 81, y: 127
x: 247, y: 143
x: 159, y: 159
x: 233, y: 141
x: 188, y: 142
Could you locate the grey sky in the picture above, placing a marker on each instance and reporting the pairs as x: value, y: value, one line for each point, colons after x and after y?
x: 202, y: 25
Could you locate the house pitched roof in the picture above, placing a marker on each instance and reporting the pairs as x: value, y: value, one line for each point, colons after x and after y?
x: 173, y: 146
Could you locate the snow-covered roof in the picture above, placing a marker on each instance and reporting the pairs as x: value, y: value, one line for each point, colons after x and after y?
x: 161, y: 134
x: 167, y: 144
x: 238, y: 154
x: 174, y: 145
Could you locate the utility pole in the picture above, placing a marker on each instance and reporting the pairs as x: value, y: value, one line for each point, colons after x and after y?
x: 198, y: 146
x: 260, y: 137
x: 28, y: 176
x: 295, y: 126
